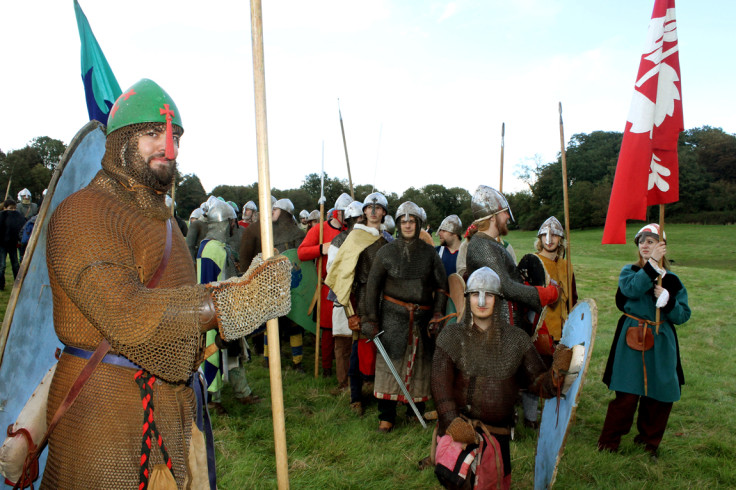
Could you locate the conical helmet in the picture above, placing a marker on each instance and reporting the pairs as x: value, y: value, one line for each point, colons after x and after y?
x: 487, y: 201
x: 452, y: 224
x: 483, y: 281
x: 551, y: 227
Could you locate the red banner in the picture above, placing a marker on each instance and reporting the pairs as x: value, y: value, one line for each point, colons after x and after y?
x: 647, y: 170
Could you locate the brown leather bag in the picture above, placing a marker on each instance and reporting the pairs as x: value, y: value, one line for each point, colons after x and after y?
x: 640, y: 338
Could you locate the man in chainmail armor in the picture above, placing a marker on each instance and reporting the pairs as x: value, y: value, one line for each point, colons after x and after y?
x: 491, y: 213
x: 121, y: 280
x: 25, y: 207
x: 405, y: 297
x: 479, y: 365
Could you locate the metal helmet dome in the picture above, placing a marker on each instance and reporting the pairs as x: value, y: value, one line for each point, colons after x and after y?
x: 220, y: 211
x: 551, y: 226
x: 343, y: 201
x: 376, y: 198
x: 483, y: 281
x: 285, y: 205
x: 452, y: 224
x: 487, y: 201
x: 354, y: 210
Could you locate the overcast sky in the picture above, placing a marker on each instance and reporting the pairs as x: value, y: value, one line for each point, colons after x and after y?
x: 424, y: 86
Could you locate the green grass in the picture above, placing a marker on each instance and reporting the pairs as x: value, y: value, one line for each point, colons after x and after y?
x: 329, y: 447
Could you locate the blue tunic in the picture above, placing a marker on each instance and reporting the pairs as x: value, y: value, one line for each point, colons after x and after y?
x: 625, y: 366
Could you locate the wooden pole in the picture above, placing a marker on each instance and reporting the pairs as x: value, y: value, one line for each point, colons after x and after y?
x: 500, y: 181
x: 567, y: 213
x: 7, y: 190
x: 661, y: 261
x: 264, y: 201
x: 345, y: 145
x: 173, y: 197
x: 318, y: 293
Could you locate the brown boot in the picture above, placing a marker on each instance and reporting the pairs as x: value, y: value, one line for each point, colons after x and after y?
x: 385, y: 427
x: 357, y: 408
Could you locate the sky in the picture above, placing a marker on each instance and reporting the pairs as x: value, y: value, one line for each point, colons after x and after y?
x: 424, y: 86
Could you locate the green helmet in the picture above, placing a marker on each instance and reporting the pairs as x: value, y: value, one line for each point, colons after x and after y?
x: 144, y: 102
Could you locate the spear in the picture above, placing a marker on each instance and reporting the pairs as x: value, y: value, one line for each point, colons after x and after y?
x: 264, y: 200
x: 345, y: 145
x: 567, y: 212
x: 503, y: 132
x: 319, y: 263
x: 661, y: 261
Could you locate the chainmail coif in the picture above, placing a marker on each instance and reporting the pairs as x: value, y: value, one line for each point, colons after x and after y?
x: 479, y: 374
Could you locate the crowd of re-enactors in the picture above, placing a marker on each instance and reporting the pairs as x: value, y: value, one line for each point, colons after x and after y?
x: 463, y: 323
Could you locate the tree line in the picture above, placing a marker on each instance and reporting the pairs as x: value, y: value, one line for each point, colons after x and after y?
x: 707, y: 159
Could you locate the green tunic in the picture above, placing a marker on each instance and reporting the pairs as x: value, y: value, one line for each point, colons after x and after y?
x: 636, y: 285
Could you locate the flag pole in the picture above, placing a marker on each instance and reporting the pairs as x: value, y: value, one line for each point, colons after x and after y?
x: 661, y: 261
x: 503, y: 133
x: 345, y: 145
x: 319, y: 264
x: 264, y: 200
x: 567, y: 212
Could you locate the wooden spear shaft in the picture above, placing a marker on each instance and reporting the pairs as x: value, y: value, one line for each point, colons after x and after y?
x: 345, y: 145
x: 567, y: 213
x: 661, y: 261
x: 264, y: 200
x: 500, y: 181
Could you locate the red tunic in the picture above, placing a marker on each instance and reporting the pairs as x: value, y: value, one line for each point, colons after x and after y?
x: 309, y: 250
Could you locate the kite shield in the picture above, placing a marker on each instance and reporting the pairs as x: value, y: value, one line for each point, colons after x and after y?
x: 579, y: 329
x: 303, y: 284
x: 28, y: 341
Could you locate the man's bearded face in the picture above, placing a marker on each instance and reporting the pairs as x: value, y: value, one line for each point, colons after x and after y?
x: 149, y: 162
x: 502, y: 220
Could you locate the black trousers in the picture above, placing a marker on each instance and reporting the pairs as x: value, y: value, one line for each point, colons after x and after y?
x: 387, y: 410
x: 651, y: 421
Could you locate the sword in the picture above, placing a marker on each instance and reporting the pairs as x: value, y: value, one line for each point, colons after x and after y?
x: 390, y: 364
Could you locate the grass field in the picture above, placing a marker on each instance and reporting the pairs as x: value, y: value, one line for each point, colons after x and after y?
x: 329, y: 447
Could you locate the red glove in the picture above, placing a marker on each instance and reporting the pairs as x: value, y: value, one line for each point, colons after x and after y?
x: 548, y: 294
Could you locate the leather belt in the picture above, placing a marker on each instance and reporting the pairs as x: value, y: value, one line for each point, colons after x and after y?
x: 411, y: 308
x: 108, y: 359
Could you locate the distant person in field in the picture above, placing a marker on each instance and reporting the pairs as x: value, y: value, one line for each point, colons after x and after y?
x: 196, y: 232
x: 312, y: 249
x: 24, y: 205
x: 546, y: 266
x: 250, y: 214
x: 644, y: 366
x: 11, y: 222
x: 450, y: 232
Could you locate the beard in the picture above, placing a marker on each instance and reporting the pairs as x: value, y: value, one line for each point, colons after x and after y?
x: 159, y: 178
x: 503, y: 228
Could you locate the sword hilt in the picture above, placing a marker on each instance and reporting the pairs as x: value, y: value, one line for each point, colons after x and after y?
x: 375, y: 337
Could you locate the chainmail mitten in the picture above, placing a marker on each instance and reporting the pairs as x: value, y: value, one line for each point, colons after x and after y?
x: 262, y: 293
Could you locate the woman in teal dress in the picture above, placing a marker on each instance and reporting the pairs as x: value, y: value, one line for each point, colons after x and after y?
x: 650, y: 376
